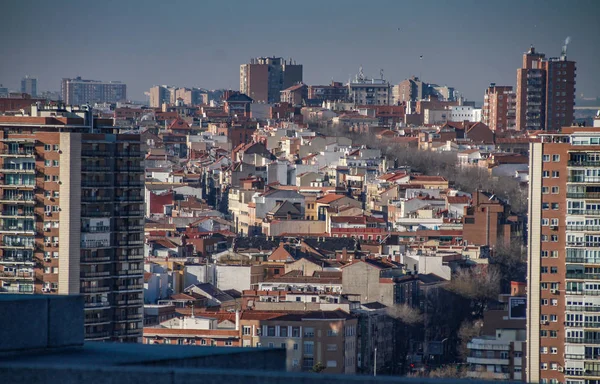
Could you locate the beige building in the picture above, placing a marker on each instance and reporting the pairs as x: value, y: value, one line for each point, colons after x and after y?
x: 72, y: 216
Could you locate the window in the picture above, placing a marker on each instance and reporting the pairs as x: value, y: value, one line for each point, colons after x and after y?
x: 309, y: 332
x: 55, y: 163
x: 331, y: 363
x: 504, y: 355
x: 554, y: 366
x: 271, y: 330
x: 554, y: 222
x: 283, y: 345
x: 554, y: 238
x: 553, y: 318
x: 55, y: 147
x: 545, y: 222
x: 543, y: 269
x: 554, y: 206
x: 543, y: 333
x: 283, y: 331
x: 544, y: 301
x: 544, y: 238
x: 246, y: 330
x: 554, y: 254
x: 554, y: 270
x: 543, y: 253
x: 556, y: 158
x: 545, y: 190
x: 545, y: 206
x: 332, y: 332
x: 554, y: 350
x: 543, y: 285
x: 332, y: 347
x: 47, y: 147
x: 228, y: 343
x: 553, y: 333
x: 295, y: 331
x: 546, y: 158
x: 544, y: 366
x: 271, y: 345
x: 307, y: 362
x: 308, y: 348
x: 203, y: 342
x: 295, y: 346
x: 555, y: 174
x: 295, y: 363
x: 543, y: 350
x: 554, y: 302
x: 553, y: 285
x: 555, y: 190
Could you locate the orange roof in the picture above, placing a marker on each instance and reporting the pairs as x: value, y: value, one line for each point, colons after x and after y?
x: 179, y: 124
x: 280, y: 254
x: 150, y: 331
x: 329, y: 198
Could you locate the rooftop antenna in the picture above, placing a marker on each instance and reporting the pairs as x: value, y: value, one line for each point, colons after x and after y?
x: 361, y: 75
x: 381, y: 73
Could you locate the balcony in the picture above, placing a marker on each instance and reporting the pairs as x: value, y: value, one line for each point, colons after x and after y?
x: 97, y: 335
x: 130, y: 257
x: 96, y: 229
x: 128, y: 332
x: 17, y: 199
x: 21, y: 152
x: 582, y: 308
x: 22, y: 171
x: 18, y: 186
x: 95, y: 199
x: 583, y: 179
x: 130, y: 317
x: 96, y: 320
x: 94, y: 153
x: 582, y: 324
x: 94, y: 260
x: 583, y: 163
x: 129, y: 153
x: 582, y: 260
x: 583, y: 228
x: 16, y: 215
x: 18, y: 275
x: 587, y: 244
x: 17, y: 245
x: 95, y: 275
x: 583, y: 212
x: 130, y: 287
x: 95, y: 289
x: 486, y: 360
x: 97, y: 305
x: 581, y: 341
x: 583, y: 195
x: 582, y: 276
x: 129, y: 183
x: 17, y: 230
x: 85, y: 168
x: 95, y: 244
x: 96, y: 214
x: 129, y: 198
x: 11, y: 260
x: 124, y: 243
x: 96, y: 183
x: 125, y: 213
x: 130, y: 302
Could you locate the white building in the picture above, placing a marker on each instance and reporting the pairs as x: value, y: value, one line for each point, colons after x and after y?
x: 364, y: 91
x: 462, y: 113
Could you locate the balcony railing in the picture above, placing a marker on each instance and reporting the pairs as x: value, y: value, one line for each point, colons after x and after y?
x: 97, y: 305
x: 17, y: 170
x: 95, y: 289
x: 95, y: 244
x: 579, y: 212
x: 129, y: 198
x: 584, y: 228
x: 23, y: 199
x: 97, y: 335
x: 94, y: 168
x: 16, y: 260
x: 18, y: 275
x: 95, y: 199
x: 582, y: 324
x: 17, y: 153
x: 122, y: 243
x: 582, y: 341
x: 130, y: 287
x: 129, y: 317
x: 94, y: 153
x: 95, y: 259
x: 96, y: 214
x: 582, y: 308
x: 129, y: 153
x: 18, y: 185
x: 13, y: 214
x: 96, y: 320
x: 583, y: 179
x: 586, y: 293
x: 583, y: 163
x: 583, y: 276
x: 95, y: 229
x: 130, y: 302
x: 582, y: 260
x: 17, y: 245
x: 587, y: 244
x: 128, y: 228
x: 129, y: 183
x: 95, y: 274
x: 129, y: 213
x: 583, y: 195
x: 96, y: 183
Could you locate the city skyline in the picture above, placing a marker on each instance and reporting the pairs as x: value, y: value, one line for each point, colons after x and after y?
x: 205, y: 45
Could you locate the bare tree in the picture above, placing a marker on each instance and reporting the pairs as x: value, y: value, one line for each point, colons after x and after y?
x: 468, y: 330
x: 448, y: 372
x: 478, y: 285
x: 406, y: 314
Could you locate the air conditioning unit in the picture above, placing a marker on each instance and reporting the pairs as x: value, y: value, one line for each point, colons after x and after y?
x: 46, y: 290
x: 47, y: 258
x: 544, y: 322
x: 48, y: 244
x: 555, y: 291
x: 560, y: 369
x: 48, y: 213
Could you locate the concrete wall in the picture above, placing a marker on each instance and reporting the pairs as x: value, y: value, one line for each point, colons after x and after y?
x: 233, y: 277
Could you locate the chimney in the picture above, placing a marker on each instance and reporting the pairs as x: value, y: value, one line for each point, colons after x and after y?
x: 237, y: 320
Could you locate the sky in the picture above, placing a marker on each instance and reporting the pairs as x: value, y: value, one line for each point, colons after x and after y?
x: 466, y: 44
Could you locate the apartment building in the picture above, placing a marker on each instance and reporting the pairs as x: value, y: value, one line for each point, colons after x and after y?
x: 563, y: 325
x: 29, y: 86
x: 72, y: 215
x: 364, y: 91
x: 545, y: 92
x: 265, y: 77
x: 79, y: 91
x: 499, y: 107
x: 310, y: 338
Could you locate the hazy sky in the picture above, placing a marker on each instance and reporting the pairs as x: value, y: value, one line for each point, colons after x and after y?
x: 465, y: 44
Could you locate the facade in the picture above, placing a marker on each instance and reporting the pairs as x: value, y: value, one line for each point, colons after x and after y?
x: 499, y: 107
x: 465, y: 113
x: 564, y: 251
x: 335, y: 91
x: 326, y: 337
x: 29, y: 86
x: 191, y: 96
x: 295, y: 95
x: 72, y: 216
x: 364, y: 91
x: 545, y: 92
x: 160, y: 94
x: 265, y: 77
x: 78, y: 91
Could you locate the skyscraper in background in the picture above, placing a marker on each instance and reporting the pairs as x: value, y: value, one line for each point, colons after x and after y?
x: 72, y: 216
x: 78, y: 91
x: 29, y: 85
x: 265, y: 77
x: 545, y: 91
x: 563, y: 321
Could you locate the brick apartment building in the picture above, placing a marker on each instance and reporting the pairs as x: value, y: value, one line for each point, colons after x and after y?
x: 563, y: 328
x: 499, y: 108
x: 72, y: 216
